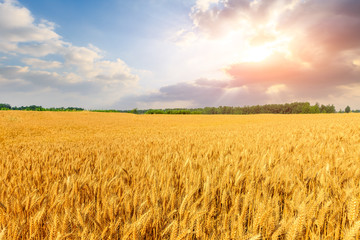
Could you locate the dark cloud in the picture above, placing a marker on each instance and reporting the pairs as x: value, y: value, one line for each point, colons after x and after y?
x: 198, y: 94
x: 204, y: 82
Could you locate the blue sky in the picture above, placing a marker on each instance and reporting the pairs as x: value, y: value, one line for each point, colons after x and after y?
x: 117, y: 27
x: 179, y: 53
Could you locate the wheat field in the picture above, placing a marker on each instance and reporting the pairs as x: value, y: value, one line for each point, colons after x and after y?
x: 87, y: 175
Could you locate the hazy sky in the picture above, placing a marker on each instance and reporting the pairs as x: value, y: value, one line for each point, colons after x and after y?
x: 179, y: 53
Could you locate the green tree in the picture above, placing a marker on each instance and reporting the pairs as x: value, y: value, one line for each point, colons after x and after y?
x: 315, y: 108
x: 5, y: 106
x: 135, y: 111
x: 306, y: 108
x: 347, y: 109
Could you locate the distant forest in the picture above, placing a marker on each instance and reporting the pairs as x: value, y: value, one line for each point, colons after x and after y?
x: 5, y: 106
x: 287, y: 108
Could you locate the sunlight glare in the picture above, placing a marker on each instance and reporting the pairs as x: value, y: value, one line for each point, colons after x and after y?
x: 256, y: 54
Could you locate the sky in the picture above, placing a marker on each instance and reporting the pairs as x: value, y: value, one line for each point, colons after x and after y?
x: 125, y: 54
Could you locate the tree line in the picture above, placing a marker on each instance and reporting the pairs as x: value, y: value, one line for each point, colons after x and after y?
x: 5, y: 106
x: 287, y: 108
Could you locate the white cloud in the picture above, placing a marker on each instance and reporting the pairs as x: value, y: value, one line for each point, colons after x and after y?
x: 114, y: 71
x: 203, y: 5
x: 82, y: 57
x: 276, y: 89
x: 41, y: 49
x: 41, y: 64
x: 7, y: 46
x: 18, y: 25
x: 89, y: 63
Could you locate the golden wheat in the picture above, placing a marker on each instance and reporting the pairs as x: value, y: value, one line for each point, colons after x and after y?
x: 121, y: 176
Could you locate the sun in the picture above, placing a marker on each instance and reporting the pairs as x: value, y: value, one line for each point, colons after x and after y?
x: 259, y: 53
x: 256, y: 54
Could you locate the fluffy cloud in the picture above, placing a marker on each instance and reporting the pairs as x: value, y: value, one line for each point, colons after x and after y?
x: 17, y: 25
x: 40, y: 49
x: 77, y: 69
x: 41, y: 64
